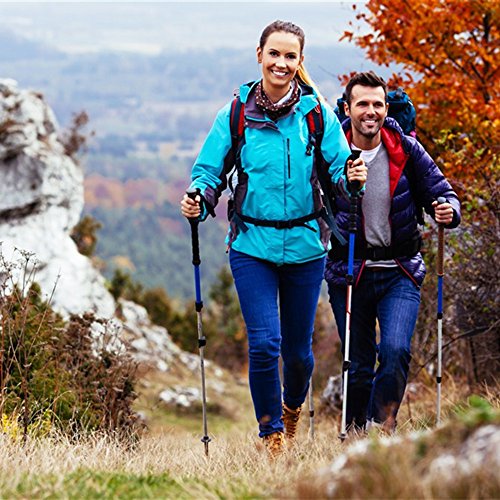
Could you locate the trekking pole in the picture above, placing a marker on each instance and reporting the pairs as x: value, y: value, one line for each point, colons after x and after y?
x: 202, y: 341
x: 440, y: 275
x: 349, y: 279
x: 311, y: 410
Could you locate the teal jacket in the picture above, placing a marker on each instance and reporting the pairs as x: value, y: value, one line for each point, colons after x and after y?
x: 282, y: 182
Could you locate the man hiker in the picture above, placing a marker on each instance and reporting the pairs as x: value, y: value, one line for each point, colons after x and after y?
x: 388, y: 267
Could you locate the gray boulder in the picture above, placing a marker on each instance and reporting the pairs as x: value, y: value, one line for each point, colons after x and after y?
x: 41, y: 200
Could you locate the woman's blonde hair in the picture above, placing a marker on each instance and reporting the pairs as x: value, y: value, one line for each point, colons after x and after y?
x: 304, y: 77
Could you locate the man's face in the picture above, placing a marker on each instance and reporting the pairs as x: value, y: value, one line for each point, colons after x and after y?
x: 368, y: 110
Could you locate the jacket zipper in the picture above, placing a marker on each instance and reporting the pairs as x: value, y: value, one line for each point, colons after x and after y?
x: 288, y: 155
x: 363, y: 263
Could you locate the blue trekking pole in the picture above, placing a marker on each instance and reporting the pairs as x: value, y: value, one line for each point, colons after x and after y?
x: 353, y: 212
x: 202, y: 341
x: 440, y: 275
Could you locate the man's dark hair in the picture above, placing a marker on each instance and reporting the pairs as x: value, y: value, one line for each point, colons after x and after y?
x: 367, y: 79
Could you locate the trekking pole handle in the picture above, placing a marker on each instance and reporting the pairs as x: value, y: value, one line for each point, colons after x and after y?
x: 195, y: 243
x: 355, y: 185
x: 440, y: 254
x: 193, y: 193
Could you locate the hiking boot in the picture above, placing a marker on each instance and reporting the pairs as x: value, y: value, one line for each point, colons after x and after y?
x: 274, y: 443
x: 387, y: 428
x: 290, y: 419
x: 355, y: 431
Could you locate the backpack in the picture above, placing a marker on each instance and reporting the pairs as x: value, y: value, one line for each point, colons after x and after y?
x: 315, y: 125
x: 401, y: 108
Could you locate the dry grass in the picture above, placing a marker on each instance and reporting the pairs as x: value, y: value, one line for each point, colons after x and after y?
x: 237, y: 466
x: 170, y: 462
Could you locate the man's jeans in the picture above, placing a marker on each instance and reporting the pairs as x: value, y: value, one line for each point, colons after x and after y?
x: 273, y: 328
x: 393, y: 299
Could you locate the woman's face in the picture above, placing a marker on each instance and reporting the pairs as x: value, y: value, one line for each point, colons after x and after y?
x: 280, y: 58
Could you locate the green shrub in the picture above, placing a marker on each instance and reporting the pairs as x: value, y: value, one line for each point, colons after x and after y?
x: 57, y: 374
x: 84, y: 234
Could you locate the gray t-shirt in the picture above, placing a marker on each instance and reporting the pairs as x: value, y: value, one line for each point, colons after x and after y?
x: 376, y: 202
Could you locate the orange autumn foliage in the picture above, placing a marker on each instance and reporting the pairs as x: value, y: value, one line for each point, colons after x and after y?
x: 448, y: 52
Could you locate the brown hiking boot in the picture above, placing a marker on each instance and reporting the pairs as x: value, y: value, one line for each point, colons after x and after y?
x: 274, y: 443
x: 290, y: 419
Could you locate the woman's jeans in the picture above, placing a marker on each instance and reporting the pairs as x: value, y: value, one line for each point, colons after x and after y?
x: 278, y: 305
x: 393, y: 299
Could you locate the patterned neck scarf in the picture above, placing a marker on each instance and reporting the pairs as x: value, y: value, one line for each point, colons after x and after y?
x: 275, y: 110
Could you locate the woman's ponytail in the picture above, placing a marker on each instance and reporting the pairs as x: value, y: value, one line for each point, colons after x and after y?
x: 304, y: 77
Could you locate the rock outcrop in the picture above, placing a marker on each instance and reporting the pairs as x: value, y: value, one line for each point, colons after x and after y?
x: 459, y: 459
x: 41, y: 200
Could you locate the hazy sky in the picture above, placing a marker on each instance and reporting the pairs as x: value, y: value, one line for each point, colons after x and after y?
x: 150, y: 27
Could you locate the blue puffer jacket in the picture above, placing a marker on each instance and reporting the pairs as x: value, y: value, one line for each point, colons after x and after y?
x: 431, y: 184
x: 282, y: 184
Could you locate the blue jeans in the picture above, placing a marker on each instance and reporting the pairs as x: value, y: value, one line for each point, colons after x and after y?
x: 278, y: 305
x: 393, y: 299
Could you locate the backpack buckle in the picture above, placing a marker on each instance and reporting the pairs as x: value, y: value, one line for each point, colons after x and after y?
x: 310, y: 144
x: 283, y: 224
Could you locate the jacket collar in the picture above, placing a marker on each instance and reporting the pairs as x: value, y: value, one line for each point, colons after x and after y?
x: 308, y: 101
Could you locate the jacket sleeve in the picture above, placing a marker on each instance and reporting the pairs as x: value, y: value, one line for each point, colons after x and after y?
x: 335, y: 150
x: 334, y: 146
x: 431, y: 183
x: 208, y: 172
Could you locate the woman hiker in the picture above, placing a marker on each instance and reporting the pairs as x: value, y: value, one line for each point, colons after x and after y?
x: 278, y: 236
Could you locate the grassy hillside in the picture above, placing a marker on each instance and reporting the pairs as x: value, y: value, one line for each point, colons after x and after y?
x: 170, y: 462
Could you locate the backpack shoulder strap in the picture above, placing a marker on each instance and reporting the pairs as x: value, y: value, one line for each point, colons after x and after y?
x: 236, y: 122
x: 232, y: 161
x: 316, y: 127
